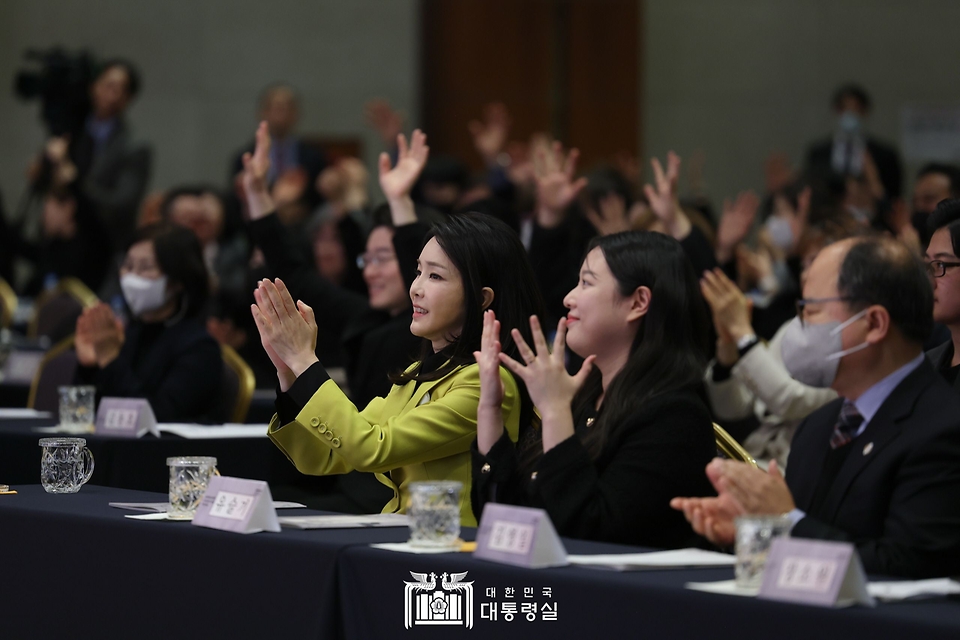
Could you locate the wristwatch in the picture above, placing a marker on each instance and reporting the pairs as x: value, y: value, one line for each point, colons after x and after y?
x: 744, y: 343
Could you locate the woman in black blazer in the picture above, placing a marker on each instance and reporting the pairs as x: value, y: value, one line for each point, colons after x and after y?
x: 631, y: 428
x: 164, y: 353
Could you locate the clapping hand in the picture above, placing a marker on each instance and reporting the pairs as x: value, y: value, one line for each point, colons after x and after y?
x: 256, y: 166
x: 731, y: 311
x: 99, y: 336
x: 550, y: 387
x: 288, y: 330
x: 556, y: 187
x: 663, y: 197
x: 489, y: 418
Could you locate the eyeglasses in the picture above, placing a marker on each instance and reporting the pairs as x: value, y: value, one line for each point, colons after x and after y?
x: 802, y: 304
x: 374, y: 259
x: 938, y: 268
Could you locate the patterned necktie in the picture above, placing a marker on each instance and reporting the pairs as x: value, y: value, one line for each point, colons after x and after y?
x: 847, y: 425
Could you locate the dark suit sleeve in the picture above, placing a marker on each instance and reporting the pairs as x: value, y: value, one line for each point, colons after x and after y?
x: 192, y: 379
x: 921, y: 532
x: 495, y: 477
x: 121, y: 198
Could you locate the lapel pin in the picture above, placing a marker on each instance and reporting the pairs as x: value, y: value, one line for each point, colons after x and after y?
x: 867, y: 449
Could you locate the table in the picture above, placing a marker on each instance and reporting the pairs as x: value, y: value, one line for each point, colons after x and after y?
x: 74, y: 567
x: 141, y: 464
x: 329, y: 583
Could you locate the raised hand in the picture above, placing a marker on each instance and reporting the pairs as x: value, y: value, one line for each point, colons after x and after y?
x: 99, y: 336
x: 735, y: 223
x: 664, y: 199
x: 490, y: 136
x: 398, y: 181
x: 550, y: 387
x: 489, y: 418
x: 384, y: 119
x: 556, y: 187
x: 256, y: 166
x: 288, y: 330
x: 612, y: 216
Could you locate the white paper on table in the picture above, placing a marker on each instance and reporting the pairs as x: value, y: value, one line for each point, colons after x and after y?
x: 60, y: 428
x: 730, y: 588
x: 904, y: 589
x: 346, y: 522
x: 161, y: 507
x: 725, y: 587
x: 673, y: 559
x: 404, y: 547
x: 207, y: 432
x: 8, y: 413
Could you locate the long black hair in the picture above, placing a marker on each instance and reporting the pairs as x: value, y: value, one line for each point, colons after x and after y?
x: 669, y: 351
x: 486, y: 253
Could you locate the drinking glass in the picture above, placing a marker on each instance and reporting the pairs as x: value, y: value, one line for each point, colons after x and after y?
x: 755, y: 534
x: 189, y: 477
x: 65, y: 464
x: 77, y: 407
x: 435, y: 514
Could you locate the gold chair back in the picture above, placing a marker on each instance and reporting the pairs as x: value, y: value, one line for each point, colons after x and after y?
x: 246, y: 382
x: 71, y: 287
x: 729, y: 447
x: 8, y: 304
x: 52, y: 378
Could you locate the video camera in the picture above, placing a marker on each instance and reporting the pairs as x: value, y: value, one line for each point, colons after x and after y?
x: 62, y: 84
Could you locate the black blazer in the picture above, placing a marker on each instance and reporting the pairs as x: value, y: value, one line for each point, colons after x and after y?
x: 897, y: 494
x: 941, y: 356
x: 624, y: 496
x: 177, y: 368
x: 820, y: 164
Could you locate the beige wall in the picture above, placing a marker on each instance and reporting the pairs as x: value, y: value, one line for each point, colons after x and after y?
x: 739, y: 78
x: 204, y: 62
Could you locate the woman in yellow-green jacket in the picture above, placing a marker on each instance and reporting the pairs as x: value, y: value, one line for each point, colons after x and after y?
x: 424, y: 428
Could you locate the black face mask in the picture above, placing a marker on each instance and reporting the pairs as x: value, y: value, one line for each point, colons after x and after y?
x: 919, y: 222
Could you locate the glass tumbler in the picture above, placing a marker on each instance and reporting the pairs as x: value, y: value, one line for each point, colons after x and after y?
x: 189, y: 477
x: 434, y: 513
x: 755, y: 534
x: 65, y: 464
x: 77, y: 407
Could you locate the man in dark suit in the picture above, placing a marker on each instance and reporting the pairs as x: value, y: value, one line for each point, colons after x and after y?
x: 280, y: 109
x: 880, y: 466
x: 844, y: 153
x: 102, y: 166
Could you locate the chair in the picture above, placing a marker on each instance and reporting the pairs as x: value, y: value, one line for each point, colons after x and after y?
x: 8, y: 304
x: 57, y: 310
x: 236, y: 387
x: 729, y: 447
x: 58, y: 368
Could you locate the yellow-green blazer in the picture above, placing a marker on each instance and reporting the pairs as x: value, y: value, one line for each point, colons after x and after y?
x: 416, y: 433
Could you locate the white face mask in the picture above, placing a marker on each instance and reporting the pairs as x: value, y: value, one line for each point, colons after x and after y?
x: 781, y: 232
x: 811, y: 353
x: 143, y: 294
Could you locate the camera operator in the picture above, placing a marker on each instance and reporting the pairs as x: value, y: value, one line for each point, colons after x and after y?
x: 100, y: 167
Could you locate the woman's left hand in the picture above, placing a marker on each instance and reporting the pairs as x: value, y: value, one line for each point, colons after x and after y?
x: 550, y: 387
x: 290, y: 328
